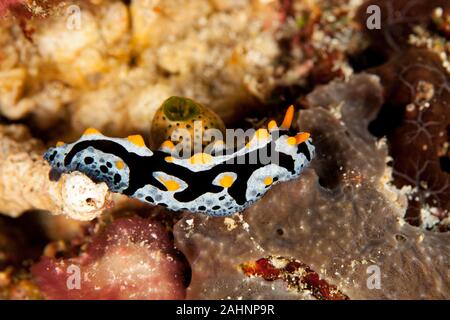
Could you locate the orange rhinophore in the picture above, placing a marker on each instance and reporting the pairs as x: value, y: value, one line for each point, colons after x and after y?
x: 289, y: 116
x: 302, y: 137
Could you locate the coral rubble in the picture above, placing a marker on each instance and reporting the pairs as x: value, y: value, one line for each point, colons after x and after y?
x: 26, y: 182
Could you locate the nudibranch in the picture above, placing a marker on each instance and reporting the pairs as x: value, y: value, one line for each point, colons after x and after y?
x: 215, y: 184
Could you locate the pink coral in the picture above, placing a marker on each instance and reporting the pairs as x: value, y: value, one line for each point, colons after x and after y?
x: 132, y: 259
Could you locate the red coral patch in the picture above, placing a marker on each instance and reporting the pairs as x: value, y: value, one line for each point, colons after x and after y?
x: 132, y: 259
x: 298, y: 275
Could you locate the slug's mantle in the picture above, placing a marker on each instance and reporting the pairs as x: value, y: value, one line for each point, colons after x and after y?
x: 217, y: 185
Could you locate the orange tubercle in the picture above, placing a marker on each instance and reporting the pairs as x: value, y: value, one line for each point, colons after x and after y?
x: 226, y: 181
x: 201, y: 158
x: 272, y: 125
x: 168, y: 144
x: 268, y: 180
x: 261, y: 134
x: 171, y: 185
x: 120, y: 165
x: 90, y: 131
x: 137, y: 140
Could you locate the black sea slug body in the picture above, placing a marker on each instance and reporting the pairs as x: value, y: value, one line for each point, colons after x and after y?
x: 215, y: 184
